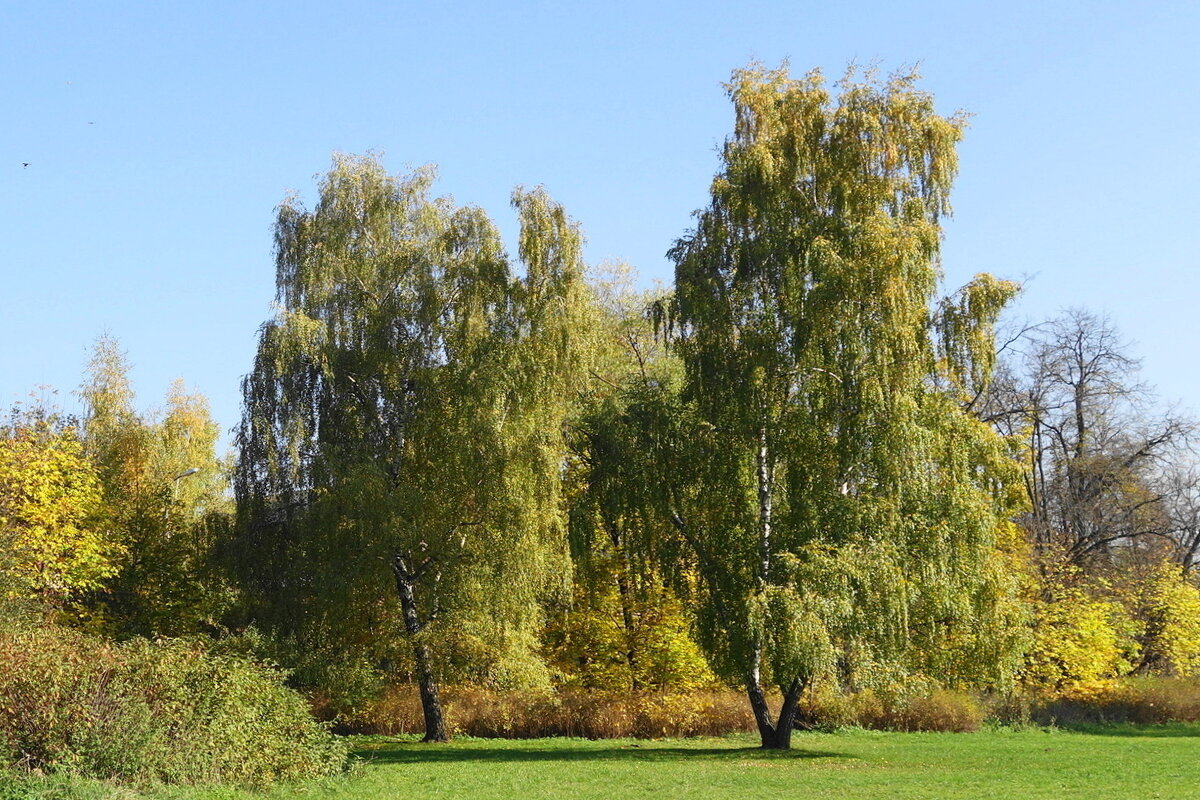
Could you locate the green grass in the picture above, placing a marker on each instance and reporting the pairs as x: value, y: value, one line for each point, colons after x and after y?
x: 1095, y: 764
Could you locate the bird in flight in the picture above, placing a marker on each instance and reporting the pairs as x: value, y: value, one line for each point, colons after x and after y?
x: 24, y: 165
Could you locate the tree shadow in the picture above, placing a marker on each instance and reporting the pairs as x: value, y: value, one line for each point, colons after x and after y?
x: 403, y: 752
x: 1164, y: 730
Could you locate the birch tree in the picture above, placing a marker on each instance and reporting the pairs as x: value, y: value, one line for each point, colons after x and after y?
x: 402, y: 440
x: 839, y: 501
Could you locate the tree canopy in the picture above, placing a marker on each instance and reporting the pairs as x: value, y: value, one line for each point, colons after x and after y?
x: 404, y: 419
x: 838, y: 502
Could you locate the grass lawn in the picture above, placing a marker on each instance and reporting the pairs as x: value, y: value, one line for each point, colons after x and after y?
x: 1120, y: 763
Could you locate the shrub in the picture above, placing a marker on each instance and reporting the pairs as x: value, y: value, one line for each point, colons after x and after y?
x: 1131, y: 700
x: 593, y: 714
x: 153, y: 711
x: 1171, y: 606
x: 1080, y: 636
x: 931, y: 710
x: 569, y: 711
x: 942, y: 710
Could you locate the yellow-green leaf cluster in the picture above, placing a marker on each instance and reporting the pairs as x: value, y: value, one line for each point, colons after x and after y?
x: 51, y: 532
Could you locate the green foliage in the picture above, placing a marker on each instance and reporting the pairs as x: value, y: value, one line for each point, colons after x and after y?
x: 402, y: 442
x: 966, y: 324
x: 158, y: 711
x: 841, y: 506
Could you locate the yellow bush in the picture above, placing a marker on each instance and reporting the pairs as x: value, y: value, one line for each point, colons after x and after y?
x: 1078, y: 638
x: 51, y: 542
x: 1172, y: 609
x: 569, y: 711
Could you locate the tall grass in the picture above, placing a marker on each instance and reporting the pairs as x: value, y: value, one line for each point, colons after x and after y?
x: 1148, y: 700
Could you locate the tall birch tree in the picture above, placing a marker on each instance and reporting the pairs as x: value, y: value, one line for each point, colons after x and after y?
x: 839, y: 501
x: 402, y: 439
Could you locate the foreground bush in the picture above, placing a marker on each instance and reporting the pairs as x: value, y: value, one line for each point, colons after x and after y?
x: 153, y: 711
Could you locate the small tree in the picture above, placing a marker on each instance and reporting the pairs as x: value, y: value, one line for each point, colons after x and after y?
x: 54, y: 544
x: 403, y: 427
x: 164, y: 493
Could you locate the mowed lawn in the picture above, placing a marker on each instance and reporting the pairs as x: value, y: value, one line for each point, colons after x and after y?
x: 1118, y: 763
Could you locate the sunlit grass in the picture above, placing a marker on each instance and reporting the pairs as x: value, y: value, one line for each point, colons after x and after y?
x: 1114, y: 763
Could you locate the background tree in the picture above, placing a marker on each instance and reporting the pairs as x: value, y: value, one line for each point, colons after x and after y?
x: 165, y: 499
x: 1105, y: 474
x: 835, y: 503
x: 403, y: 428
x: 626, y: 628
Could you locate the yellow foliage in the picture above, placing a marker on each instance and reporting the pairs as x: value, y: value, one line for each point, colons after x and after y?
x: 612, y: 642
x: 1078, y: 638
x: 1171, y: 604
x: 51, y: 542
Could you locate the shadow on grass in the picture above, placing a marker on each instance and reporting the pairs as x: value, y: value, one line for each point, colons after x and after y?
x: 506, y: 752
x: 1166, y: 730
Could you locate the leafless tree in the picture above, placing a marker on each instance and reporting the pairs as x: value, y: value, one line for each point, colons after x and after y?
x: 1100, y: 459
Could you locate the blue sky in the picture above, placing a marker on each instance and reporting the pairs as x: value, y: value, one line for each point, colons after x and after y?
x: 161, y: 136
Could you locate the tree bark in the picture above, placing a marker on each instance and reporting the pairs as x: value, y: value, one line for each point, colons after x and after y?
x: 431, y: 702
x: 626, y: 597
x: 765, y: 507
x: 775, y: 735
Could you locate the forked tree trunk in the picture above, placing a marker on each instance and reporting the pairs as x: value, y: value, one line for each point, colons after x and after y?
x: 777, y: 734
x: 431, y: 701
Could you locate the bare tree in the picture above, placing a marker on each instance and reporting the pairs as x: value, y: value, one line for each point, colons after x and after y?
x: 1097, y: 453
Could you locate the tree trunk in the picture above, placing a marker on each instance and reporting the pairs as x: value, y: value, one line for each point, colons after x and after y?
x: 775, y: 735
x: 626, y: 596
x: 431, y: 702
x: 765, y: 507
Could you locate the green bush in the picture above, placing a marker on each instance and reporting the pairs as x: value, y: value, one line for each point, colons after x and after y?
x: 153, y: 711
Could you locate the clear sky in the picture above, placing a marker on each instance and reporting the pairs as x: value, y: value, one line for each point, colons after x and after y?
x: 160, y: 136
